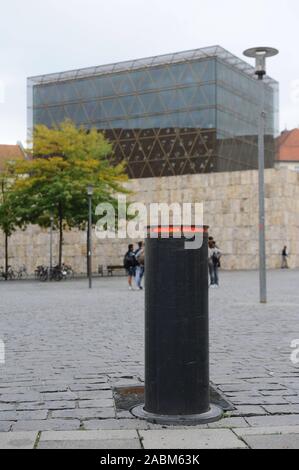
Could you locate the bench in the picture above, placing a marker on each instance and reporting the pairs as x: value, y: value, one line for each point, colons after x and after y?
x: 109, y: 269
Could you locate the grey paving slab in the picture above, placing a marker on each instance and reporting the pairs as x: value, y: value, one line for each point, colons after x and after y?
x: 104, y: 444
x: 85, y: 413
x: 23, y: 415
x: 290, y: 441
x: 51, y: 405
x: 8, y: 407
x: 98, y: 403
x: 6, y: 425
x: 282, y: 409
x: 89, y: 435
x: 19, y: 397
x: 266, y: 430
x: 17, y: 440
x: 191, y: 439
x: 85, y: 387
x: 294, y: 399
x: 94, y: 424
x: 95, y: 395
x: 248, y: 410
x: 279, y: 420
x: 229, y: 423
x: 64, y: 396
x: 47, y: 424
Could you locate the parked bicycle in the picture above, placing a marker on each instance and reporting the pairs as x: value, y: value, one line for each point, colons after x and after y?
x: 41, y: 273
x: 22, y: 272
x: 67, y: 271
x: 2, y: 273
x: 44, y: 273
x: 11, y: 273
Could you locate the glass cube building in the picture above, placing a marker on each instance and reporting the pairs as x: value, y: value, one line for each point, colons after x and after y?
x: 183, y: 113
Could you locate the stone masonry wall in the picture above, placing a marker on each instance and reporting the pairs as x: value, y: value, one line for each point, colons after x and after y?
x: 230, y: 209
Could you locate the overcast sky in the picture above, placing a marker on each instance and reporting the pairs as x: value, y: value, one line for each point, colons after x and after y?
x: 47, y: 36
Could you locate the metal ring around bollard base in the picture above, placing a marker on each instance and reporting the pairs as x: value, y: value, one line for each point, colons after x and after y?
x: 214, y: 414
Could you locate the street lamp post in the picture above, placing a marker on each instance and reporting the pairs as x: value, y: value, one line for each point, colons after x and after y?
x: 89, y: 241
x: 51, y: 245
x: 260, y: 54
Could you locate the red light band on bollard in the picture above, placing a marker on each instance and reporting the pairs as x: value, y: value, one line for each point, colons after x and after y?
x: 178, y: 229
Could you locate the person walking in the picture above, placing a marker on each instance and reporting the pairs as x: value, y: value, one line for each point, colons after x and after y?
x: 130, y: 264
x: 284, y: 255
x: 214, y: 264
x: 139, y: 255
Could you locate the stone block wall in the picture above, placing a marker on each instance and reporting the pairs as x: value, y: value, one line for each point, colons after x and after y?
x: 230, y: 209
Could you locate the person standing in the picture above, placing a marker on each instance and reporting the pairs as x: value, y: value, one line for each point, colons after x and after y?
x: 284, y: 255
x: 130, y: 264
x: 210, y: 263
x: 139, y: 255
x: 214, y: 264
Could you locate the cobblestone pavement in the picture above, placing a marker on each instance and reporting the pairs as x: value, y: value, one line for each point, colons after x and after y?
x: 66, y: 347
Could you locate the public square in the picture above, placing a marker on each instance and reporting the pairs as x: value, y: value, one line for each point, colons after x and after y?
x: 67, y: 347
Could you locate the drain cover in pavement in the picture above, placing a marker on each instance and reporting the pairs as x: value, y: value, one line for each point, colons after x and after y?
x: 127, y: 398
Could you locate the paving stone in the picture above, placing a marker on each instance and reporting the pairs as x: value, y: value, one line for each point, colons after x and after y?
x: 293, y: 400
x: 191, y: 439
x: 8, y: 407
x: 266, y: 430
x: 124, y: 415
x: 64, y: 396
x: 5, y: 426
x: 229, y: 423
x: 60, y: 405
x: 51, y: 405
x: 123, y: 424
x: 282, y: 409
x: 104, y: 444
x: 85, y: 413
x: 101, y: 403
x: 22, y: 415
x: 248, y: 410
x: 51, y: 388
x: 272, y: 387
x: 17, y: 440
x: 47, y: 425
x: 91, y: 378
x: 258, y: 401
x: 19, y: 397
x: 90, y: 387
x: 88, y: 435
x: 237, y: 387
x: 290, y: 441
x: 95, y: 395
x: 282, y: 420
x: 277, y: 393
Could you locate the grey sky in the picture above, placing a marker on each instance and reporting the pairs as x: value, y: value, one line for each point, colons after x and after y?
x: 47, y: 36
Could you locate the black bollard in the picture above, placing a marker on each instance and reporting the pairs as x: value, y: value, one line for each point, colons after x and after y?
x: 176, y: 329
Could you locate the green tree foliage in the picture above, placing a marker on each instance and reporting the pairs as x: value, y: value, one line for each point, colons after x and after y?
x: 65, y: 160
x: 8, y: 216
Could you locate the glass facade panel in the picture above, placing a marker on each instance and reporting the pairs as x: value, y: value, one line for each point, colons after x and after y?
x: 238, y: 105
x: 191, y: 112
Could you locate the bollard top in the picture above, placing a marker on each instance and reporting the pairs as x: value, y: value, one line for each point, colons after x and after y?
x: 176, y: 229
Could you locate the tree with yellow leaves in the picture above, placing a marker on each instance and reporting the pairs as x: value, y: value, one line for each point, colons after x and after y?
x: 65, y: 160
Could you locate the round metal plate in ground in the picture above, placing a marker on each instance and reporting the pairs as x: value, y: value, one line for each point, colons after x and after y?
x: 214, y: 414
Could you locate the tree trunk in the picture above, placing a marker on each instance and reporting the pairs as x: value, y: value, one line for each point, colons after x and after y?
x: 60, y: 235
x: 6, y: 255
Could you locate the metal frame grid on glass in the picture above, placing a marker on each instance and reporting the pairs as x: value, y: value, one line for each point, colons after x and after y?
x: 190, y: 112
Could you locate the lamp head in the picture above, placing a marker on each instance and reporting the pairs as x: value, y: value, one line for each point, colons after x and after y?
x: 90, y: 190
x: 260, y: 54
